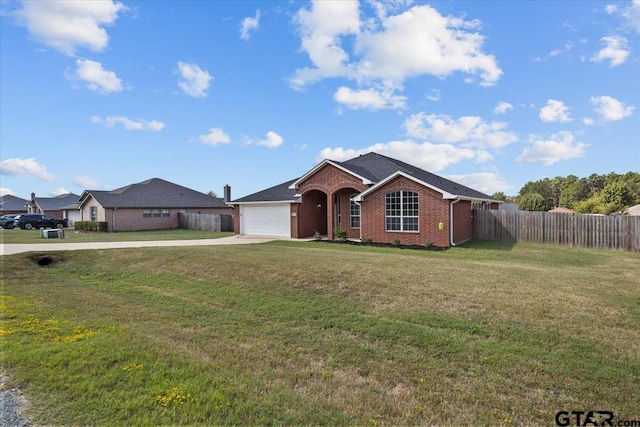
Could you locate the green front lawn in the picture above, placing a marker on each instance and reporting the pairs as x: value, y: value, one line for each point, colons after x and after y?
x: 17, y: 235
x: 320, y: 334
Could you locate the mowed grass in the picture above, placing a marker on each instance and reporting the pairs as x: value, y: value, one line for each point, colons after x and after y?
x: 17, y: 235
x: 312, y: 333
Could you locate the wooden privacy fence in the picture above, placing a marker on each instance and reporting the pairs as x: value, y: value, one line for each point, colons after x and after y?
x: 583, y: 231
x: 206, y: 222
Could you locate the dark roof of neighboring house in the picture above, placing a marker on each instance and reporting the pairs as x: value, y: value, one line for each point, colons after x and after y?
x: 56, y: 203
x: 12, y: 203
x: 375, y: 168
x: 278, y: 193
x: 153, y: 193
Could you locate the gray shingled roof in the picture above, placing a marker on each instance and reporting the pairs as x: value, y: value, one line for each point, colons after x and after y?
x: 379, y: 167
x: 56, y: 203
x: 277, y: 193
x: 154, y: 193
x: 374, y: 167
x: 9, y: 203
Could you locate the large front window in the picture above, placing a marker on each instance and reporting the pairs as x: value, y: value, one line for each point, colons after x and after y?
x: 401, y: 211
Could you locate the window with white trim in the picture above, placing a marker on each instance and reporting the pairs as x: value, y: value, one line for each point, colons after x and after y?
x: 354, y: 215
x: 146, y: 213
x: 165, y: 213
x: 401, y: 211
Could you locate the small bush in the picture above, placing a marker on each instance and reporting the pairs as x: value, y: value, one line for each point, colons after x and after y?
x: 428, y: 244
x: 396, y: 242
x: 317, y: 236
x: 91, y: 225
x: 367, y: 241
x: 341, y: 234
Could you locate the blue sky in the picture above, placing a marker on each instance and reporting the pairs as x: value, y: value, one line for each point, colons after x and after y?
x: 492, y: 94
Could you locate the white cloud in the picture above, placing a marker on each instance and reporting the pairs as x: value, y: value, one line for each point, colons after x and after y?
x: 129, y: 124
x: 616, y: 51
x: 249, y: 24
x: 215, y: 137
x: 471, y: 131
x: 96, y: 78
x: 431, y: 157
x: 555, y: 111
x: 24, y: 168
x: 610, y: 109
x: 86, y: 182
x: 388, y: 49
x: 6, y: 192
x: 434, y: 95
x: 194, y: 81
x: 630, y: 14
x: 502, y: 108
x: 560, y: 146
x: 273, y: 140
x: 69, y: 25
x: 59, y: 191
x: 487, y: 182
x: 371, y: 99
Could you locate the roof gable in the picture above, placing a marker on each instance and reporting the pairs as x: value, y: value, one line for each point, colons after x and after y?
x: 153, y: 193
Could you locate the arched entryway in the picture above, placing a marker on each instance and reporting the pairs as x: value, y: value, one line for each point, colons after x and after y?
x: 313, y: 214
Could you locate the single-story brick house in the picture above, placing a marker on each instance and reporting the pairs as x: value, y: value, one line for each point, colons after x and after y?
x: 148, y: 205
x: 372, y: 197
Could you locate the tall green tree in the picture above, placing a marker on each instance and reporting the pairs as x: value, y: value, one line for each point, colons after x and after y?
x: 533, y: 202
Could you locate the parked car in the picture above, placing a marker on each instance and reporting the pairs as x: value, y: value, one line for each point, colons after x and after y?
x: 29, y: 221
x: 6, y: 221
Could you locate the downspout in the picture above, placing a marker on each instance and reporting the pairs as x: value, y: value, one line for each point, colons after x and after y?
x: 451, y: 220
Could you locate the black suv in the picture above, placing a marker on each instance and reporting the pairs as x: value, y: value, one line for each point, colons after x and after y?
x: 29, y: 221
x: 6, y: 221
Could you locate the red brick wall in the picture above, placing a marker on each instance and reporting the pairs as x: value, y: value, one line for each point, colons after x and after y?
x: 432, y: 210
x: 133, y: 220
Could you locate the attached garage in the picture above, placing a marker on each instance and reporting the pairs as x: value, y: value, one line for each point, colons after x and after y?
x: 266, y: 219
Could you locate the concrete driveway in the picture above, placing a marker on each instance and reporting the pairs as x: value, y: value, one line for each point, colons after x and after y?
x: 55, y: 246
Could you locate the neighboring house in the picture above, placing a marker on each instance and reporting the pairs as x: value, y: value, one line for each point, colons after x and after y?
x: 12, y: 205
x: 633, y: 210
x: 561, y: 209
x: 372, y: 197
x: 52, y: 206
x: 148, y: 205
x: 508, y: 206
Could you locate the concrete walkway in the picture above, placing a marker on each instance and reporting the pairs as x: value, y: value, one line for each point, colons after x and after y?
x: 55, y: 246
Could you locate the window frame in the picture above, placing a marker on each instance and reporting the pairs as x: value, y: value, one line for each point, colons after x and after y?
x: 402, y: 211
x: 146, y: 213
x: 353, y: 216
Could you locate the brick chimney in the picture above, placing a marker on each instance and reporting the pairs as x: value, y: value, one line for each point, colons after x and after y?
x: 227, y: 193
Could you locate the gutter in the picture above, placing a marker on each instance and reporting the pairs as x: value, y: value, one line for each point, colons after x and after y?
x: 456, y: 200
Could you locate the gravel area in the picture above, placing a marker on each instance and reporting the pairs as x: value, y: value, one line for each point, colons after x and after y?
x: 10, y: 404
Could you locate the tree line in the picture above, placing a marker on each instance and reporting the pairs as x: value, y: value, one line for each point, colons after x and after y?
x: 597, y: 194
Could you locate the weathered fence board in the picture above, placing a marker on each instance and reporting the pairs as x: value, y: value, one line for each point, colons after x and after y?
x: 206, y: 222
x: 582, y: 231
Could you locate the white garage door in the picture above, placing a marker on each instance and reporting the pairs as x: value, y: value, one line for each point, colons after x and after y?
x: 265, y: 220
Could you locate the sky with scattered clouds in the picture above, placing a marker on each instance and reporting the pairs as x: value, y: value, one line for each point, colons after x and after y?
x: 493, y: 94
